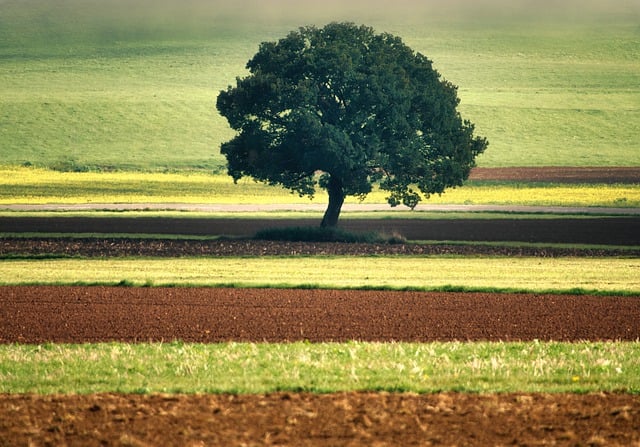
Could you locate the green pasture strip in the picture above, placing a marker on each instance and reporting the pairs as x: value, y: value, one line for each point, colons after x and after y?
x: 568, y: 275
x: 132, y: 85
x: 39, y: 186
x: 248, y: 368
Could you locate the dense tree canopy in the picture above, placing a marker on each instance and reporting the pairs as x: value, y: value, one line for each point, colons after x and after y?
x: 356, y: 107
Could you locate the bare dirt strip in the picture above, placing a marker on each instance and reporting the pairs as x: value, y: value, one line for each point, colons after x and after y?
x: 588, y: 230
x: 209, y: 315
x: 161, y: 247
x: 301, y: 419
x: 556, y: 174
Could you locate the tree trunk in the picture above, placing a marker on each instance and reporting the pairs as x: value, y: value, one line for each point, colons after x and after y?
x: 336, y: 199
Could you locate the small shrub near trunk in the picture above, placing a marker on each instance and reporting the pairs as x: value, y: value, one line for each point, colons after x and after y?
x: 324, y: 234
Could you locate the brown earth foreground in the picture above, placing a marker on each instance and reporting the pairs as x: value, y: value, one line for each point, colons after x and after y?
x: 80, y: 314
x: 353, y: 419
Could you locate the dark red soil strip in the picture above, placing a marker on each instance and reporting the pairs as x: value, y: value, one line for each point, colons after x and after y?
x: 92, y: 314
x: 343, y: 419
x: 118, y: 247
x: 554, y: 174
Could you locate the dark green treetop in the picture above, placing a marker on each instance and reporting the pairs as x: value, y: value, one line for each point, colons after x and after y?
x: 358, y: 107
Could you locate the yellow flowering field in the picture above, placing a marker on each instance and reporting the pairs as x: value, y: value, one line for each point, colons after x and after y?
x: 40, y: 186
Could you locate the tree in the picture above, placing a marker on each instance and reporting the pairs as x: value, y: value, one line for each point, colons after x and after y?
x: 344, y: 108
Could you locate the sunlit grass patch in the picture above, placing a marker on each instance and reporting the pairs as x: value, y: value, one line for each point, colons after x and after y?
x: 613, y: 275
x: 323, y: 367
x: 132, y: 84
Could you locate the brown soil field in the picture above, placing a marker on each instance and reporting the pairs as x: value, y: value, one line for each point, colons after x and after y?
x: 158, y: 247
x: 589, y: 230
x: 301, y: 419
x: 554, y: 174
x: 210, y: 315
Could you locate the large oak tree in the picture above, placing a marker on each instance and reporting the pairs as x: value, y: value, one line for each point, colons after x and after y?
x: 344, y: 108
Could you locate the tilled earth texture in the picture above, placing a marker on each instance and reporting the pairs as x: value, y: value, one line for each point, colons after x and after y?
x: 592, y: 230
x: 300, y: 419
x: 554, y: 174
x: 210, y: 315
x: 77, y: 314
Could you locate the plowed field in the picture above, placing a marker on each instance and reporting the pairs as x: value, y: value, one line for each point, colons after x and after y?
x: 595, y: 230
x: 354, y: 419
x: 93, y: 314
x: 555, y: 174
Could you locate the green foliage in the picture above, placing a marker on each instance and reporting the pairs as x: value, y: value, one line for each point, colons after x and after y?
x: 357, y: 106
x: 69, y: 165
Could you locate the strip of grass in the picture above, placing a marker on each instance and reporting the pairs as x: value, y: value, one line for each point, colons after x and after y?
x: 325, y: 367
x: 559, y: 275
x: 39, y: 186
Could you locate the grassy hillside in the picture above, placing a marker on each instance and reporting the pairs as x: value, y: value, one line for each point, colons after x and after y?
x: 89, y: 84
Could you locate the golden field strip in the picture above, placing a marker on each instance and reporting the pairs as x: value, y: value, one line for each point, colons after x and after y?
x: 594, y: 275
x: 39, y: 186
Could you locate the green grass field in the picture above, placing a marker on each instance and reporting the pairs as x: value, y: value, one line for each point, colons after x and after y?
x: 322, y: 367
x: 132, y: 85
x: 595, y: 275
